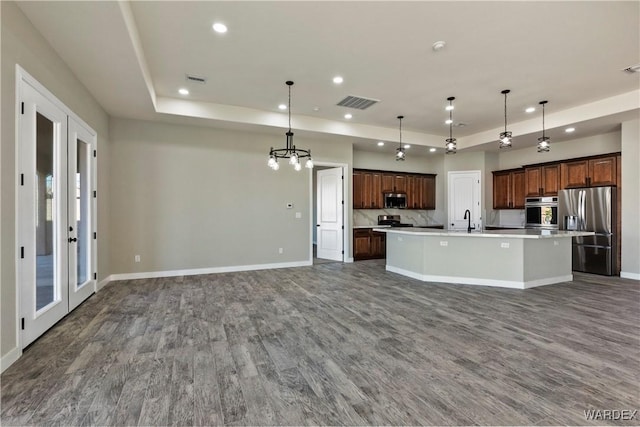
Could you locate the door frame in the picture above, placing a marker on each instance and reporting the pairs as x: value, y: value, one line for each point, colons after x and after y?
x: 346, y: 241
x: 23, y: 77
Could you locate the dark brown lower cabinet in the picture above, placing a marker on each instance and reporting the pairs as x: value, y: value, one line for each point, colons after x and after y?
x: 369, y: 244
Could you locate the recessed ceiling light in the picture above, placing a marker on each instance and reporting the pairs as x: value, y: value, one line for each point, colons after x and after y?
x: 338, y: 79
x: 316, y: 109
x: 530, y: 110
x: 380, y: 143
x: 282, y: 107
x: 183, y: 91
x: 432, y: 150
x: 448, y: 121
x: 348, y: 116
x: 438, y: 45
x: 569, y: 130
x: 219, y: 27
x: 448, y: 107
x: 407, y: 145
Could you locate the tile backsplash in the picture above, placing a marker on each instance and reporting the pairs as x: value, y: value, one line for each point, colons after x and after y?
x: 365, y: 217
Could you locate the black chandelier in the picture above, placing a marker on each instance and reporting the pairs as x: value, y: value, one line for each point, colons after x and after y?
x: 505, y: 137
x: 400, y: 154
x: 451, y: 141
x: 544, y: 141
x: 290, y: 152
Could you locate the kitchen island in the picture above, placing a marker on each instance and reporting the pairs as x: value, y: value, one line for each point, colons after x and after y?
x: 504, y: 258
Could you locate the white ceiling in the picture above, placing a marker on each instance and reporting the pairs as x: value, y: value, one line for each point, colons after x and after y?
x: 133, y: 57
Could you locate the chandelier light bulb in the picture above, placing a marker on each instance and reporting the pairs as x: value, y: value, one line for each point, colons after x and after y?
x: 293, y: 159
x: 276, y: 166
x: 272, y: 161
x: 309, y: 164
x: 297, y: 166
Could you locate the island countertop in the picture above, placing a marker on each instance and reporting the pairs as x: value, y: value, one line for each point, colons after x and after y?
x: 517, y: 234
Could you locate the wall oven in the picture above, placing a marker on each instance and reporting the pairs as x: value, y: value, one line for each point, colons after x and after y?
x: 541, y: 212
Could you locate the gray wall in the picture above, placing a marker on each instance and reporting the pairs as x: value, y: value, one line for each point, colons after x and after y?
x: 188, y: 197
x: 22, y: 44
x: 631, y: 199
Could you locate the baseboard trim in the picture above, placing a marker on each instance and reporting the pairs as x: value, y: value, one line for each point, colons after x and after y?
x: 104, y: 282
x: 211, y: 270
x: 349, y: 259
x: 629, y: 275
x: 9, y: 358
x: 480, y: 282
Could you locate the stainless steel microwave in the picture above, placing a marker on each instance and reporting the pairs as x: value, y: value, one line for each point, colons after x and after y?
x: 395, y: 200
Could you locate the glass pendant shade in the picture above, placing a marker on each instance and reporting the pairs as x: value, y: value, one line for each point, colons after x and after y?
x: 290, y: 151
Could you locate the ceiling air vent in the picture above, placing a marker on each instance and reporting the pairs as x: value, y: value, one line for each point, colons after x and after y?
x: 196, y: 79
x: 357, y: 102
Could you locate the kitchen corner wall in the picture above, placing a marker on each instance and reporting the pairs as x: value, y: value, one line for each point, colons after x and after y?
x: 22, y: 44
x: 190, y: 197
x: 630, y: 200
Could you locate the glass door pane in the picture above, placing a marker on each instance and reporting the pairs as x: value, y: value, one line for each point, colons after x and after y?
x: 83, y: 219
x: 46, y: 218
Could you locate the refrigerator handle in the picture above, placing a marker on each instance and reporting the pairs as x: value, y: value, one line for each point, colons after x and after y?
x: 581, y: 209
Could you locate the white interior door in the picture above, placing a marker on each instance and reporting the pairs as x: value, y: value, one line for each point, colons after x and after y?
x: 329, y: 219
x: 56, y: 218
x: 42, y: 217
x: 81, y: 214
x: 464, y: 193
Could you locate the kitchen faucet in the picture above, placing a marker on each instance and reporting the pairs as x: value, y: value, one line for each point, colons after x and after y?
x: 467, y: 215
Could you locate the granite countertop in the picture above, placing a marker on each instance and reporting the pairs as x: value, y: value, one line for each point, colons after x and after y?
x: 518, y: 234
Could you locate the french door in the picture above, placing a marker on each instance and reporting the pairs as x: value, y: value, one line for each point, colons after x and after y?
x: 56, y: 212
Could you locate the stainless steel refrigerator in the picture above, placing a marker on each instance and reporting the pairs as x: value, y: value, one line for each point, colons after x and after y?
x: 590, y: 209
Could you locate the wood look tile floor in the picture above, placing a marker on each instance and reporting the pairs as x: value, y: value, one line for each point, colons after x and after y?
x: 332, y: 344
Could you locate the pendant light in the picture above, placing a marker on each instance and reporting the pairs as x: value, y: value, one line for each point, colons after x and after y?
x: 290, y: 151
x: 543, y: 141
x: 505, y: 137
x: 451, y: 147
x: 400, y: 154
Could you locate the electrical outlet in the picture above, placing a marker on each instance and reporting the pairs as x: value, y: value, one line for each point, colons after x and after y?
x: 136, y: 258
x: 280, y: 250
x: 444, y: 243
x: 504, y: 245
x: 556, y: 243
x: 298, y: 215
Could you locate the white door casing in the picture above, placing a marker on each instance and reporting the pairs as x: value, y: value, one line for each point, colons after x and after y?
x: 329, y: 214
x: 464, y: 193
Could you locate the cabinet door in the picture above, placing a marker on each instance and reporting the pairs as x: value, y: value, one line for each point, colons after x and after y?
x: 388, y: 183
x: 358, y: 190
x: 376, y: 190
x: 501, y: 190
x: 361, y: 244
x: 574, y: 174
x: 517, y: 189
x: 378, y: 245
x: 412, y: 193
x: 533, y: 181
x: 430, y: 192
x: 400, y: 183
x: 602, y: 171
x: 367, y: 190
x: 550, y: 180
x: 421, y: 190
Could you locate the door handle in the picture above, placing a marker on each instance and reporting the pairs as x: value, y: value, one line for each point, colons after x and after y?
x: 72, y: 239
